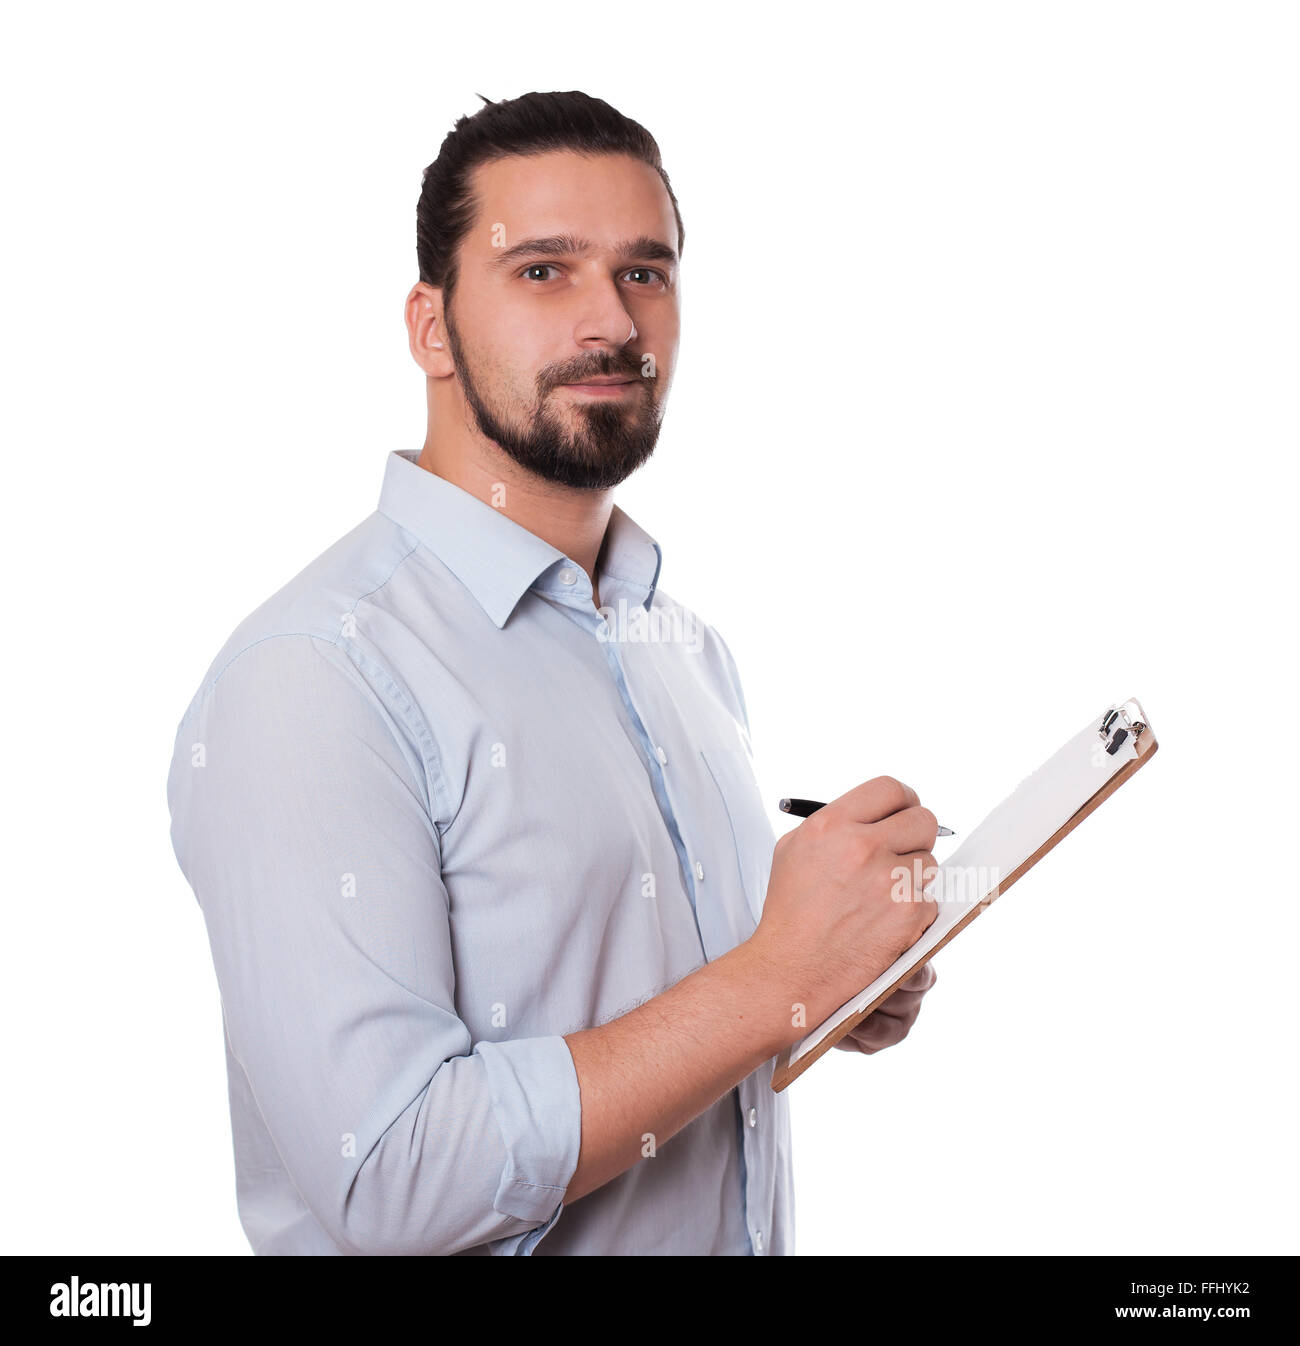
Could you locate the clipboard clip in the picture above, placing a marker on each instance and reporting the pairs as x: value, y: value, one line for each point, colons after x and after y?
x: 1121, y: 722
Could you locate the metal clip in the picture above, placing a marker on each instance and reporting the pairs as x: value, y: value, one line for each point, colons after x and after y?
x: 1128, y: 718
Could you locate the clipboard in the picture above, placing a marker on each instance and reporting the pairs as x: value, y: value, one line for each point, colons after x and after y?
x: 1045, y: 807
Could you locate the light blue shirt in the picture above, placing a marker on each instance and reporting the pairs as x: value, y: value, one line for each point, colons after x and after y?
x: 438, y: 811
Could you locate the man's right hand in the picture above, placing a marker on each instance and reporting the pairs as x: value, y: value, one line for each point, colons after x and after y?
x: 844, y: 899
x: 830, y: 925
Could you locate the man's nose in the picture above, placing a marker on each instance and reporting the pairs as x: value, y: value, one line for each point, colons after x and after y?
x: 603, y: 318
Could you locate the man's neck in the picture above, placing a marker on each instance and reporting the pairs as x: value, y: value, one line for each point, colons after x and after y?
x: 572, y: 521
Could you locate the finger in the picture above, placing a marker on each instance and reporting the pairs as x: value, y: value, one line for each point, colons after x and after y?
x: 878, y: 1031
x: 911, y: 829
x: 921, y: 980
x: 874, y: 799
x: 901, y: 1005
x: 917, y: 870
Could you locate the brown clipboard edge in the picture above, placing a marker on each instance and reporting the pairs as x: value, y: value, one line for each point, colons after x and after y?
x: 784, y: 1073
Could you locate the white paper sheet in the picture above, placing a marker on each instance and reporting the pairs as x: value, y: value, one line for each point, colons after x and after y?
x: 1037, y: 808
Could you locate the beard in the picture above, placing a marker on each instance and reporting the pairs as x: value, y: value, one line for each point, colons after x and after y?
x: 612, y: 441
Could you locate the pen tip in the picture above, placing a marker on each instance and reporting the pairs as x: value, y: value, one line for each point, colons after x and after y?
x: 784, y: 806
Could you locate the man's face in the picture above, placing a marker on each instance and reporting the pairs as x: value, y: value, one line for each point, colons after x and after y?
x: 569, y: 273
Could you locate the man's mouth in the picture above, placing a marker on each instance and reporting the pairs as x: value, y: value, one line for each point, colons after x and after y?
x: 608, y: 386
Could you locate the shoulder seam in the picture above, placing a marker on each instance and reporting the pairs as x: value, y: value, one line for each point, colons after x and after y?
x: 414, y: 721
x: 206, y: 691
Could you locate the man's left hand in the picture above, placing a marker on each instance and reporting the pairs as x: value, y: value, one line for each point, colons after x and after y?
x: 891, y: 1022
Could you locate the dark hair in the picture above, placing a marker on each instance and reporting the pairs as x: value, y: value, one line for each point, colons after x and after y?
x: 533, y: 123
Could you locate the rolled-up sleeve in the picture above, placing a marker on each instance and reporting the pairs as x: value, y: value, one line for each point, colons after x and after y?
x: 301, y: 819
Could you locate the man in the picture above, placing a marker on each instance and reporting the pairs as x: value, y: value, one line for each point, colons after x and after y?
x: 468, y: 805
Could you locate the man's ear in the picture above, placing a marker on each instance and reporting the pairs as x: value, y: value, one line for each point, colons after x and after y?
x: 426, y: 331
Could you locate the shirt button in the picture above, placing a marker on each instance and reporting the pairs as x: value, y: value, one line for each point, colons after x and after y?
x: 699, y: 871
x: 758, y: 1239
x: 568, y: 577
x: 753, y: 1116
x: 662, y: 756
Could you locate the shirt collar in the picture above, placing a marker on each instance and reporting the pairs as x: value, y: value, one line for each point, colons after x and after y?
x: 498, y: 560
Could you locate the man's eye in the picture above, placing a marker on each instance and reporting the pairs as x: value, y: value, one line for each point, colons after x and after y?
x: 647, y: 274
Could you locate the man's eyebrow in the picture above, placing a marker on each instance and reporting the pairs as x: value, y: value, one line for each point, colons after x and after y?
x: 566, y: 245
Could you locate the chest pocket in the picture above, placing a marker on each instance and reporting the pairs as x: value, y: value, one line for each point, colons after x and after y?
x: 754, y: 836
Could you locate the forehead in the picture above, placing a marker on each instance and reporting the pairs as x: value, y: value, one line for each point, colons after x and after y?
x: 601, y: 197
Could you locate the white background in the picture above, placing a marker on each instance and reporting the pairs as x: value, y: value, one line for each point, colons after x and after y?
x: 986, y: 416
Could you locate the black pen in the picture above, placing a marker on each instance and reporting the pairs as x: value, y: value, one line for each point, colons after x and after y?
x: 801, y: 808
